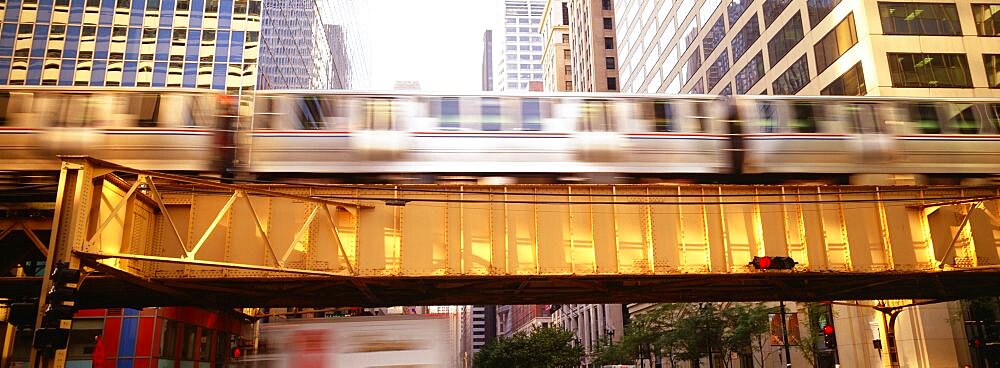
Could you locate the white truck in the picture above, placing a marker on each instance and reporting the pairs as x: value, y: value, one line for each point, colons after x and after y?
x: 396, y: 341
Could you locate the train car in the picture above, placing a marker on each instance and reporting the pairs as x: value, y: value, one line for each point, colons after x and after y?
x: 858, y: 135
x: 156, y: 129
x: 527, y: 134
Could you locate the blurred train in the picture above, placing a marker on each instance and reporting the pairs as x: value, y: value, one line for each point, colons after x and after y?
x: 365, y: 136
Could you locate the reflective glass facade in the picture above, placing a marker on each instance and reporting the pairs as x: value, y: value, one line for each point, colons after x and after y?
x: 521, y: 62
x: 217, y: 44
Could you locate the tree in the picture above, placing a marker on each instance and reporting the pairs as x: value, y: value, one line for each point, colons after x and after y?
x: 816, y: 317
x: 748, y: 326
x: 544, y: 347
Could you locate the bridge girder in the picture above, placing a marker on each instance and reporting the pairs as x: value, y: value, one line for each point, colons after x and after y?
x: 578, y: 243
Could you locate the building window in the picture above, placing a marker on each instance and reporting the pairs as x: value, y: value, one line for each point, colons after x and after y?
x: 565, y: 13
x: 792, y: 80
x: 569, y: 69
x: 714, y: 37
x: 609, y: 62
x: 992, y: 69
x: 750, y: 74
x: 736, y: 9
x: 698, y: 87
x: 608, y: 23
x: 606, y: 4
x: 786, y: 38
x: 569, y: 85
x: 835, y: 43
x: 851, y: 83
x: 566, y: 54
x: 919, y: 19
x: 609, y: 43
x: 745, y: 37
x: 929, y: 70
x: 612, y: 83
x: 691, y: 66
x: 565, y: 38
x: 819, y: 9
x: 987, y: 19
x: 772, y: 9
x: 718, y: 69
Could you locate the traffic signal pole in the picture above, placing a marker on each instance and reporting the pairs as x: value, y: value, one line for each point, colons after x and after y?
x: 70, y: 225
x: 784, y: 336
x: 890, y: 331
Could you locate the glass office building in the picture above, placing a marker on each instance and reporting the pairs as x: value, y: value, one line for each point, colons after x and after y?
x: 213, y: 44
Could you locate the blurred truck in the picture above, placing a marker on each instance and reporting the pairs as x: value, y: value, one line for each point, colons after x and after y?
x: 397, y: 341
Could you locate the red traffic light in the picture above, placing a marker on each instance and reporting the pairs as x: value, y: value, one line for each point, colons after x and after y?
x: 773, y: 263
x: 828, y: 330
x: 237, y: 353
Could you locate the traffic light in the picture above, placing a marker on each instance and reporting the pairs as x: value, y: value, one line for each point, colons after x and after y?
x: 975, y: 343
x: 236, y: 353
x: 60, y: 305
x: 23, y: 315
x: 773, y: 263
x: 829, y: 337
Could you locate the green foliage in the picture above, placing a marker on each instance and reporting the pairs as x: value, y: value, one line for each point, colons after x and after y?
x: 545, y: 347
x: 688, y: 332
x: 811, y: 336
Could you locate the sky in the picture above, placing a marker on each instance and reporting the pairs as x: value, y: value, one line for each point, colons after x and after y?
x: 438, y: 43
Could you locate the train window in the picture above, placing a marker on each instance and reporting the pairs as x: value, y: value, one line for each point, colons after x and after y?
x: 701, y: 115
x: 4, y: 98
x: 993, y: 116
x: 491, y: 113
x: 531, y: 115
x: 597, y: 116
x: 768, y: 117
x: 309, y: 113
x: 145, y: 108
x: 378, y: 114
x: 450, y: 113
x: 925, y: 119
x: 76, y: 110
x: 805, y: 117
x: 663, y: 117
x: 864, y: 118
x: 962, y: 119
x: 263, y: 112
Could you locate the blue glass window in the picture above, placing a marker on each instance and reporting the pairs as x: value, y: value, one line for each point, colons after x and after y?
x: 13, y: 11
x: 167, y: 13
x: 221, y: 45
x: 128, y: 72
x: 197, y: 12
x: 226, y: 14
x: 159, y: 74
x: 44, y: 11
x: 163, y: 44
x: 4, y: 70
x: 34, y: 72
x: 66, y: 73
x: 194, y: 41
x: 7, y: 36
x: 38, y: 43
x: 219, y: 76
x: 97, y: 73
x: 72, y: 41
x: 134, y: 40
x: 236, y: 47
x: 76, y: 12
x: 103, y: 41
x: 190, y: 74
x: 107, y: 12
x: 135, y: 19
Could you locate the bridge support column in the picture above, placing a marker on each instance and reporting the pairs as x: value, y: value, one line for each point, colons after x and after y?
x: 889, y: 315
x: 70, y: 225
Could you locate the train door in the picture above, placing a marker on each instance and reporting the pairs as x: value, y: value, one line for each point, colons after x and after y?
x: 379, y: 133
x: 945, y: 138
x: 597, y: 137
x: 874, y: 146
x: 71, y: 121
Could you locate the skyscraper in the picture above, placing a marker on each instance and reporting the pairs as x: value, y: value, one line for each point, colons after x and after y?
x: 219, y: 44
x: 593, y: 53
x: 557, y: 70
x: 488, y: 60
x: 522, y: 45
x: 810, y: 47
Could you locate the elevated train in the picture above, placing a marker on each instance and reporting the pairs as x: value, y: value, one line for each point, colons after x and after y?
x: 364, y: 136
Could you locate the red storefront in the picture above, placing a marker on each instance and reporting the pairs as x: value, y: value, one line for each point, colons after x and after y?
x: 178, y: 337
